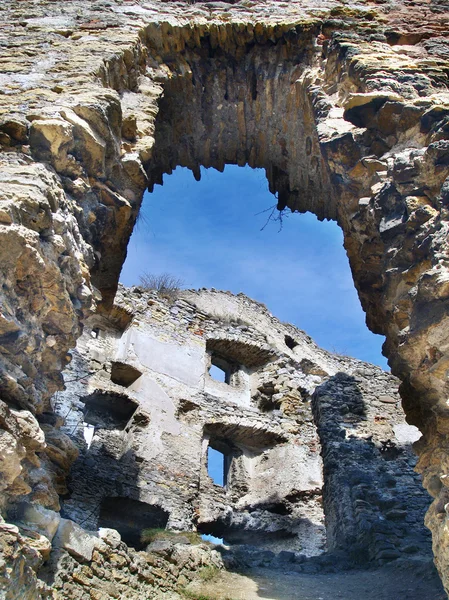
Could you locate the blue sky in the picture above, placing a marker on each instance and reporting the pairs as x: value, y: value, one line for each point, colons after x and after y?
x: 208, y: 233
x: 215, y: 466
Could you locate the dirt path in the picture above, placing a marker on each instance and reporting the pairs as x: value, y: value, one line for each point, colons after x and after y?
x: 407, y: 582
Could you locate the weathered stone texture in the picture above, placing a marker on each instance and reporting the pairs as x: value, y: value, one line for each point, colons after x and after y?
x: 160, y: 455
x: 372, y: 499
x: 112, y: 570
x: 346, y: 107
x: 261, y: 420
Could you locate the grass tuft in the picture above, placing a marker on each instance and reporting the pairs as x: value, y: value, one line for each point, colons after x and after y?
x: 151, y: 535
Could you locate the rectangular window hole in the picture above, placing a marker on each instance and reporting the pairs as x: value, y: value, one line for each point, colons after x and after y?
x: 218, y: 374
x: 220, y: 369
x: 215, y: 466
x: 124, y: 374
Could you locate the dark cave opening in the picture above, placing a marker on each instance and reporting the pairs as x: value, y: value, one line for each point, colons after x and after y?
x: 131, y: 518
x: 108, y: 410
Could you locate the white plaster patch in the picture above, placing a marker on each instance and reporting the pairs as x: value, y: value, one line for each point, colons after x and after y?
x: 154, y: 400
x: 406, y: 434
x: 183, y: 363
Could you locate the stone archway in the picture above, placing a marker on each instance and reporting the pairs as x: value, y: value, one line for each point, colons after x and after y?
x: 346, y: 109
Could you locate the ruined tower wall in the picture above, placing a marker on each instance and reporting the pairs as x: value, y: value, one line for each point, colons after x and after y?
x: 372, y: 501
x: 159, y: 455
x: 262, y: 419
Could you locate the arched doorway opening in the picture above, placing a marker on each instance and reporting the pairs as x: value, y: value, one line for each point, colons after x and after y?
x: 222, y: 232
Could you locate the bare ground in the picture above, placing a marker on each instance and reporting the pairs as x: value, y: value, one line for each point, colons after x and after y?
x: 401, y: 581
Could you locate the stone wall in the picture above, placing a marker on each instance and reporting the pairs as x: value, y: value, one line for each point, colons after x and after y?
x: 78, y: 564
x: 141, y: 409
x: 372, y: 498
x: 159, y: 456
x: 362, y: 89
x: 263, y: 423
x: 113, y: 570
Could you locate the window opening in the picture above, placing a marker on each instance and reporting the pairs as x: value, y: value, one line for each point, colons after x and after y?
x: 212, y: 531
x: 218, y: 374
x: 220, y: 370
x: 219, y: 458
x: 290, y: 342
x: 211, y: 538
x: 216, y: 466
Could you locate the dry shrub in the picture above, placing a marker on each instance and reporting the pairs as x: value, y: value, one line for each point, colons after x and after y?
x: 167, y: 285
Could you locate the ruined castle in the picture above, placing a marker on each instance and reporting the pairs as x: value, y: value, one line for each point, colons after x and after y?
x: 109, y: 409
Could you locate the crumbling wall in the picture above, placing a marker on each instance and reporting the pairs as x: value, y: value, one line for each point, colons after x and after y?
x: 373, y: 501
x: 159, y: 456
x: 113, y: 570
x: 139, y: 382
x: 273, y: 497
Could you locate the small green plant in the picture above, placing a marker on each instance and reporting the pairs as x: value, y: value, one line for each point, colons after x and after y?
x: 200, y: 596
x: 150, y: 535
x: 195, y: 595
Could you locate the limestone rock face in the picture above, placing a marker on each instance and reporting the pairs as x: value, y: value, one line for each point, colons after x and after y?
x: 346, y: 107
x: 20, y: 561
x: 39, y: 519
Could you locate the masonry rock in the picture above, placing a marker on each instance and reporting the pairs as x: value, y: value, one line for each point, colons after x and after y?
x: 317, y: 456
x: 345, y: 107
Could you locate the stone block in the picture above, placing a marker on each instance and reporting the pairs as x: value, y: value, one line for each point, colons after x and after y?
x: 160, y: 547
x: 37, y: 542
x: 110, y: 536
x: 39, y: 519
x: 75, y: 540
